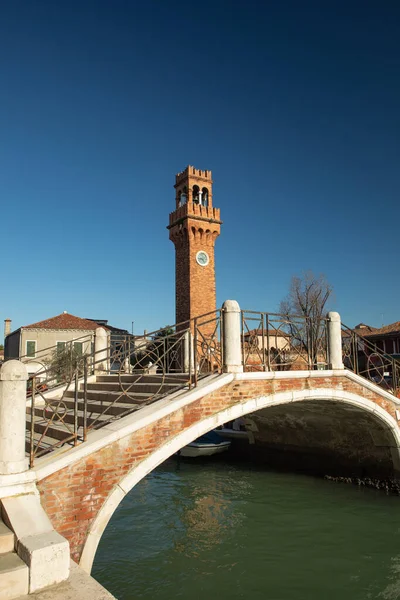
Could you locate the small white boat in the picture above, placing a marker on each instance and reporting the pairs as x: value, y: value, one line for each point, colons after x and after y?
x: 206, y: 445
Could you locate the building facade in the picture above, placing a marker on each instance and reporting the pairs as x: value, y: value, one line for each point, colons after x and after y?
x: 35, y: 344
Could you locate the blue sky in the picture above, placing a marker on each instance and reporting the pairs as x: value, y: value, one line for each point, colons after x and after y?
x: 294, y: 106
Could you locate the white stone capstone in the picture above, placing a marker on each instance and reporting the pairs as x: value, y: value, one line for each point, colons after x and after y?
x: 13, y: 378
x: 44, y: 550
x: 231, y: 337
x: 335, y: 340
x: 48, y: 559
x: 25, y: 515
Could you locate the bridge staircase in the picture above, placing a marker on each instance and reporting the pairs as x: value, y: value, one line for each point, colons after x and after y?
x: 108, y: 397
x: 78, y: 394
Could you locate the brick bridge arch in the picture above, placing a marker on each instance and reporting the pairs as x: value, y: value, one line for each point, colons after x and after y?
x: 80, y: 489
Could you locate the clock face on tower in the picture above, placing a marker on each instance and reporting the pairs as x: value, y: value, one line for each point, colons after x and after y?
x: 202, y: 258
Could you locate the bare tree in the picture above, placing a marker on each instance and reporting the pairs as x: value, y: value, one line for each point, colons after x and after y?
x: 307, y: 298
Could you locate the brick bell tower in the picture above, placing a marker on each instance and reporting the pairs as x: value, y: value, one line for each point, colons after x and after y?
x: 193, y: 228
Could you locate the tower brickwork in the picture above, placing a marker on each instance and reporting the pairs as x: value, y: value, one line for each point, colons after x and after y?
x: 193, y: 228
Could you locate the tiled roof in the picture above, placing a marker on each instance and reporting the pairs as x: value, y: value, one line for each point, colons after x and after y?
x: 368, y: 331
x: 63, y: 321
x: 387, y: 329
x: 361, y: 329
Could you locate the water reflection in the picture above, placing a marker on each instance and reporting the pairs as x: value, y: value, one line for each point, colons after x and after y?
x: 212, y: 528
x: 208, y: 519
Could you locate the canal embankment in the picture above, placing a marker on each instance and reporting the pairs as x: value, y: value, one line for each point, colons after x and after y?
x: 79, y: 586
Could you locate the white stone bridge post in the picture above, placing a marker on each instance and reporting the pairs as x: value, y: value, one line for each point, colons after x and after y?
x: 335, y: 356
x: 101, y: 356
x: 231, y: 337
x: 44, y: 551
x: 13, y: 378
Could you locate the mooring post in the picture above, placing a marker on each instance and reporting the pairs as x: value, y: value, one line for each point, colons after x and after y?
x: 101, y: 350
x: 13, y: 378
x: 335, y: 341
x: 231, y: 339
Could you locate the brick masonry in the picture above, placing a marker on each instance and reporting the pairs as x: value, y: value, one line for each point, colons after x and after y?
x: 73, y: 496
x: 193, y: 228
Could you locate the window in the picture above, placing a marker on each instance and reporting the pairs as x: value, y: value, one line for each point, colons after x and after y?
x: 78, y: 348
x: 61, y: 346
x: 31, y: 348
x: 389, y: 346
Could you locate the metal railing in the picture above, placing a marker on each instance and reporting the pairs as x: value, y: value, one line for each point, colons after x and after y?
x: 66, y: 400
x: 207, y: 345
x: 364, y: 358
x: 137, y: 371
x: 50, y: 420
x: 279, y: 342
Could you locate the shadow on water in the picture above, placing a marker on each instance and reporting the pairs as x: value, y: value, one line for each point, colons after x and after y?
x: 234, y: 529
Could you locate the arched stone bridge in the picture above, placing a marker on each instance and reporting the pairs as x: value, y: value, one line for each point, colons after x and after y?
x: 81, y: 489
x: 334, y: 417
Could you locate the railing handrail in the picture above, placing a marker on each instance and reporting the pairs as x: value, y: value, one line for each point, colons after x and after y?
x: 285, y: 315
x: 175, y: 326
x: 372, y: 370
x: 368, y: 343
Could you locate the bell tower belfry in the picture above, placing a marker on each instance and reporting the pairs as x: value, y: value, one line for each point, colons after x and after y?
x: 193, y: 228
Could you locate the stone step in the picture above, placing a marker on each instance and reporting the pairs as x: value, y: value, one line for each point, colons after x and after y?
x: 7, y: 539
x: 111, y: 396
x: 99, y: 407
x: 47, y: 444
x: 168, y: 378
x: 67, y: 423
x: 14, y: 576
x: 148, y: 388
x: 59, y: 431
x: 54, y: 432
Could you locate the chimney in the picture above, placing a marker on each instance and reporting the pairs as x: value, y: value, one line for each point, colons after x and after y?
x: 7, y: 327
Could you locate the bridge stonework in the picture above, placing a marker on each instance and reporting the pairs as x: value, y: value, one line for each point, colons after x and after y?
x: 75, y: 495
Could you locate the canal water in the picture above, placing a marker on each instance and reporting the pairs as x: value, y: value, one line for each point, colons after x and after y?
x: 218, y: 529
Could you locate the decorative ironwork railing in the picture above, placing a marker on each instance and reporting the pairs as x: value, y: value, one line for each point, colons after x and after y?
x: 278, y: 342
x: 51, y: 422
x: 364, y: 358
x: 207, y: 344
x: 75, y: 394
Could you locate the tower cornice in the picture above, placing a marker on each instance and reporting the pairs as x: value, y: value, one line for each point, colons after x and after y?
x: 191, y: 210
x: 183, y: 219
